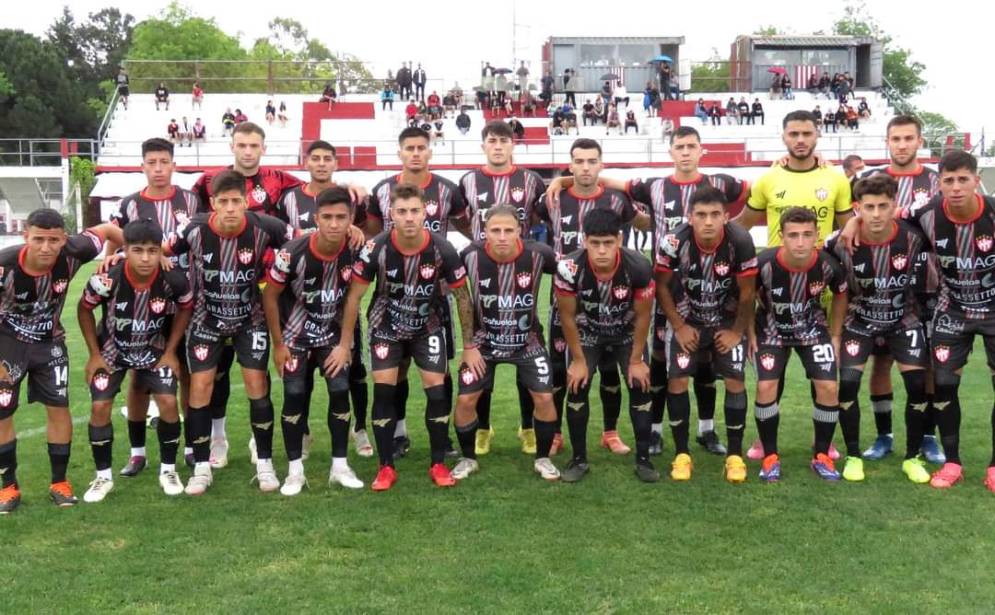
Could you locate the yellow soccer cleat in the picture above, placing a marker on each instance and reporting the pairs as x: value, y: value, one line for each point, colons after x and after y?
x: 680, y: 469
x: 528, y: 438
x: 483, y: 444
x: 735, y: 469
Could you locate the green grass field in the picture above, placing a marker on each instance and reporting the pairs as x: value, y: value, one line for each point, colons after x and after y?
x: 505, y: 541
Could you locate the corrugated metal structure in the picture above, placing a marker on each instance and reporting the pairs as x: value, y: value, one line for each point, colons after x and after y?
x: 590, y: 57
x: 752, y: 57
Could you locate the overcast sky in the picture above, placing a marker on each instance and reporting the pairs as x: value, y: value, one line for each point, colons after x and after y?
x: 451, y: 38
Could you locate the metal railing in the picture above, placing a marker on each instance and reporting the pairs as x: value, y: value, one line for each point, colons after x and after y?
x: 105, y: 123
x: 44, y: 152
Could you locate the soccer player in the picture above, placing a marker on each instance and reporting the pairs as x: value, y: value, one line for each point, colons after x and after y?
x: 505, y: 272
x: 882, y: 313
x: 409, y: 264
x: 501, y: 182
x: 303, y: 301
x: 717, y: 267
x: 170, y: 207
x: 790, y: 282
x: 443, y: 203
x: 145, y: 314
x: 604, y: 293
x: 225, y: 250
x: 565, y: 218
x: 297, y: 206
x: 34, y: 281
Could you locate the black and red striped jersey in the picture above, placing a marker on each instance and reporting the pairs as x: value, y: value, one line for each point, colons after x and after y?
x: 314, y: 288
x: 518, y: 187
x: 443, y: 200
x: 262, y: 190
x: 915, y: 189
x: 789, y: 310
x: 709, y: 292
x: 31, y: 302
x: 132, y: 331
x: 297, y: 207
x: 225, y: 269
x: 605, y: 303
x: 171, y: 213
x: 505, y: 295
x: 408, y: 299
x: 566, y: 220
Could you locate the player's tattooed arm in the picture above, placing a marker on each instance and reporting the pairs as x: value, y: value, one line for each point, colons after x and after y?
x: 340, y: 356
x: 685, y: 334
x: 642, y: 221
x: 88, y: 327
x: 471, y: 355
x: 849, y: 234
x: 638, y: 372
x: 281, y: 354
x: 577, y: 372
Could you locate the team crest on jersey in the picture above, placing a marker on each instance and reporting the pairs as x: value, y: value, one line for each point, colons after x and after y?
x: 59, y: 286
x: 852, y: 347
x: 200, y: 351
x: 524, y: 279
x: 431, y: 208
x: 767, y: 361
x: 721, y: 268
x: 815, y: 288
x: 517, y: 194
x: 899, y: 261
x: 101, y: 283
x: 358, y: 267
x: 6, y: 395
x: 282, y: 261
x: 466, y: 376
x: 620, y: 292
x: 984, y: 243
x: 381, y: 351
x: 426, y: 271
x: 942, y: 353
x: 291, y: 365
x: 683, y: 360
x: 570, y: 267
x: 346, y: 273
x: 670, y: 244
x: 101, y: 381
x: 259, y: 194
x: 560, y: 344
x: 157, y: 305
x: 245, y: 256
x: 822, y: 194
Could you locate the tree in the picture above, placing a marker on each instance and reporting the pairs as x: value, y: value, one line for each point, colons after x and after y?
x: 902, y: 73
x: 768, y: 31
x: 935, y: 129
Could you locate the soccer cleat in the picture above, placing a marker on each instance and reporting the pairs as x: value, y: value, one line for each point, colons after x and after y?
x: 823, y: 466
x: 402, y: 444
x: 574, y: 471
x: 710, y: 440
x: 170, y: 483
x: 345, y: 477
x: 990, y: 479
x: 735, y: 469
x: 681, y: 467
x: 200, y: 480
x: 947, y: 476
x: 544, y: 467
x: 853, y: 470
x: 134, y: 466
x: 219, y: 452
x: 386, y: 477
x: 612, y: 441
x: 253, y: 453
x: 646, y: 472
x: 756, y: 451
x: 915, y: 470
x: 528, y: 439
x: 61, y: 494
x: 931, y: 450
x: 557, y: 445
x: 656, y: 443
x: 441, y: 475
x: 361, y: 440
x: 770, y: 469
x: 98, y: 490
x: 306, y: 443
x: 465, y: 468
x: 834, y: 454
x: 483, y: 444
x: 266, y: 476
x: 881, y: 448
x: 293, y: 484
x: 10, y: 499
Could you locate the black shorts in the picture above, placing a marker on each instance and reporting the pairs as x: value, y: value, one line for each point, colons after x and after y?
x: 659, y: 334
x: 608, y: 353
x: 906, y: 346
x: 298, y: 373
x: 926, y: 303
x: 160, y: 381
x: 46, y: 364
x: 204, y: 347
x: 818, y: 359
x: 124, y: 91
x: 533, y: 370
x: 557, y: 343
x: 730, y: 365
x: 428, y: 352
x: 953, y: 340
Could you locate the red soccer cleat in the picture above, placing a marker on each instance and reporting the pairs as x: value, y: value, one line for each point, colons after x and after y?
x: 386, y: 477
x: 441, y: 476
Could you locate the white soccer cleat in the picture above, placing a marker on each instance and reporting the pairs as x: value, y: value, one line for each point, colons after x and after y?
x: 200, y: 480
x: 253, y: 457
x: 306, y: 443
x: 266, y: 476
x: 98, y: 490
x: 465, y: 468
x: 345, y: 477
x: 219, y: 453
x: 171, y: 483
x: 361, y: 439
x: 545, y: 468
x: 293, y: 484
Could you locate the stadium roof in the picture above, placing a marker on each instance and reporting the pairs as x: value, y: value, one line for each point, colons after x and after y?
x: 678, y: 40
x: 813, y: 40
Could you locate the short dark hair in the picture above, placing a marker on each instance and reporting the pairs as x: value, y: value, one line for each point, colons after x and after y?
x: 406, y: 191
x: 710, y: 195
x: 496, y: 128
x: 334, y: 196
x: 46, y: 218
x: 905, y: 120
x: 799, y: 116
x: 798, y: 215
x: 142, y: 230
x: 602, y: 222
x: 319, y: 144
x: 228, y: 180
x: 584, y: 143
x: 880, y: 184
x: 685, y: 131
x: 248, y: 128
x: 412, y: 132
x: 157, y: 144
x: 849, y: 161
x: 956, y: 160
x: 501, y: 210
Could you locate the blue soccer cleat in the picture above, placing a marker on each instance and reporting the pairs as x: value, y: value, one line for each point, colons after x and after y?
x: 881, y: 448
x: 931, y: 450
x: 823, y: 466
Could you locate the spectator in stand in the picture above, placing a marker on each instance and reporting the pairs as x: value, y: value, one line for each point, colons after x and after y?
x: 457, y: 93
x: 186, y: 132
x: 853, y: 165
x: 556, y: 122
x: 864, y: 109
x: 744, y: 111
x: 197, y: 96
x: 482, y: 99
x: 463, y: 122
x: 630, y: 121
x: 270, y: 112
x: 390, y: 81
x: 569, y: 118
x: 852, y: 118
x: 606, y: 93
x: 667, y: 129
x: 517, y: 128
x: 664, y: 76
x: 546, y: 90
x: 786, y: 90
x: 523, y: 77
x: 161, y: 96
x: 240, y: 118
x: 648, y: 96
x: 715, y: 112
x: 834, y: 85
x: 775, y: 86
x: 700, y: 111
x: 328, y: 95
x: 813, y: 84
x: 496, y: 107
x: 404, y: 81
x: 825, y: 85
x: 410, y: 112
x: 501, y: 88
x: 282, y: 114
x: 434, y: 105
x: 509, y: 107
x: 817, y: 114
x: 228, y: 122
x: 613, y: 120
x: 757, y: 111
x: 199, y: 131
x: 588, y: 113
x: 448, y: 105
x: 173, y: 130
x: 528, y: 104
x: 570, y: 83
x: 845, y: 89
x: 829, y: 120
x: 486, y: 70
x: 732, y: 112
x: 600, y: 110
x: 123, y: 88
x: 387, y: 98
x: 419, y: 80
x: 621, y: 95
